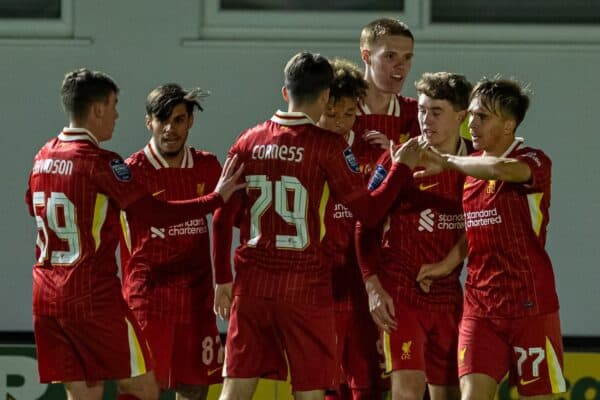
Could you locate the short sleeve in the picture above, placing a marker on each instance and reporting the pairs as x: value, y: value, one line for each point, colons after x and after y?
x: 540, y: 166
x: 114, y: 178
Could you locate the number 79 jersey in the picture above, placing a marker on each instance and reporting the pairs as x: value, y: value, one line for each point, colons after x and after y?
x: 75, y: 192
x: 291, y: 167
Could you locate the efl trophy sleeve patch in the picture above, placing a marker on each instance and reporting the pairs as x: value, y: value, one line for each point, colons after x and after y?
x: 120, y: 169
x: 351, y: 160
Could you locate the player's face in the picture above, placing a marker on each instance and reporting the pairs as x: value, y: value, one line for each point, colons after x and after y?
x: 339, y: 116
x: 108, y: 118
x: 488, y: 130
x: 171, y: 135
x: 439, y: 122
x: 388, y: 63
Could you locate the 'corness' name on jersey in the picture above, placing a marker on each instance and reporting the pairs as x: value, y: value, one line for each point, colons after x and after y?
x: 277, y: 152
x: 52, y: 166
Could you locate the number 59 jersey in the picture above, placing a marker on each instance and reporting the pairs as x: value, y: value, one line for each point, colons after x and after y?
x: 291, y: 167
x: 75, y: 192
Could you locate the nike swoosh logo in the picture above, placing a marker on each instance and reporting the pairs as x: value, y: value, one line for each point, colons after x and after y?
x: 157, y: 193
x: 523, y: 382
x: 212, y: 371
x: 427, y: 187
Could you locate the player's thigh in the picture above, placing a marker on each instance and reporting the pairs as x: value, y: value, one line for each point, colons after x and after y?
x: 160, y: 337
x: 310, y: 344
x: 144, y: 386
x: 404, y: 347
x: 408, y: 384
x: 440, y: 352
x: 477, y: 387
x: 444, y: 392
x: 360, y: 357
x: 238, y: 388
x: 482, y: 348
x: 309, y: 395
x: 537, y: 358
x: 254, y: 347
x: 191, y: 392
x: 81, y: 390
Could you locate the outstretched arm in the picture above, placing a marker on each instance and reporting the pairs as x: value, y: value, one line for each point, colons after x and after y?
x: 431, y: 272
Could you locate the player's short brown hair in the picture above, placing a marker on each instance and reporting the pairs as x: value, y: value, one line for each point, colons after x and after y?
x: 82, y: 88
x: 382, y: 27
x: 505, y: 98
x: 454, y: 88
x: 161, y: 100
x: 307, y: 75
x: 348, y: 80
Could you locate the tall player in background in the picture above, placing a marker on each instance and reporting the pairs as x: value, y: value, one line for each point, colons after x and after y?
x: 282, y: 309
x: 424, y: 231
x: 510, y: 321
x: 356, y: 332
x: 386, y: 49
x: 84, y: 332
x: 167, y: 273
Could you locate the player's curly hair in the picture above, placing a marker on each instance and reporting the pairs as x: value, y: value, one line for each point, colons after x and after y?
x: 503, y: 97
x: 163, y: 99
x: 348, y: 80
x: 454, y: 88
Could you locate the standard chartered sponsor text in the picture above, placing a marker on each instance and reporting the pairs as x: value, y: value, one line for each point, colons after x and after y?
x: 482, y: 218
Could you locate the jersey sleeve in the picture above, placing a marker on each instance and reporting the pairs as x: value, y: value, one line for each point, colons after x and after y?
x: 213, y: 171
x: 114, y: 178
x: 540, y: 166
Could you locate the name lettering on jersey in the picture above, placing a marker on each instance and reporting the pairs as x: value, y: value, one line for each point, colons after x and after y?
x: 351, y: 160
x: 191, y: 227
x: 341, y: 211
x: 533, y: 155
x: 277, y: 152
x: 120, y: 169
x: 482, y: 218
x: 52, y: 166
x: 428, y: 221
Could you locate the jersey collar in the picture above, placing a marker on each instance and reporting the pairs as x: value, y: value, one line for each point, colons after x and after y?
x: 158, y: 161
x: 393, y: 108
x: 74, y: 134
x: 291, y: 118
x: 516, y: 143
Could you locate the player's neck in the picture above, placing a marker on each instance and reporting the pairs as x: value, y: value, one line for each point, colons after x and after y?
x: 450, y: 146
x: 377, y: 101
x: 314, y: 111
x: 499, y: 148
x: 174, y: 160
x: 89, y: 127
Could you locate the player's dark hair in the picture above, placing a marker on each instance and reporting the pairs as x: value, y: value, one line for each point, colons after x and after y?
x: 382, y: 27
x: 503, y: 97
x: 454, y: 88
x: 306, y: 76
x: 82, y: 88
x: 348, y: 81
x: 163, y: 99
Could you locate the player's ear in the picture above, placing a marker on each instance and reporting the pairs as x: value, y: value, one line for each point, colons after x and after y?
x: 149, y: 123
x: 509, y: 126
x: 190, y: 120
x: 97, y: 109
x: 365, y: 55
x: 461, y: 115
x: 285, y: 94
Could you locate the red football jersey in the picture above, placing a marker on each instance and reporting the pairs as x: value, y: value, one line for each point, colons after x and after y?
x: 509, y: 273
x: 399, y: 124
x: 75, y: 192
x: 167, y: 272
x: 422, y: 227
x: 291, y: 167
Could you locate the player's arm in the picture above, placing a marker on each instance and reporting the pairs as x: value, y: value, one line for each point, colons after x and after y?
x: 368, y: 253
x: 222, y: 228
x: 480, y: 167
x: 371, y: 207
x: 431, y: 272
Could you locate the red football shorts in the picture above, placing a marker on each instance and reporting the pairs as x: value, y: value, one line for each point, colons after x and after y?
x: 264, y: 332
x: 185, y: 353
x: 106, y: 347
x: 357, y: 348
x: 424, y: 340
x: 530, y: 349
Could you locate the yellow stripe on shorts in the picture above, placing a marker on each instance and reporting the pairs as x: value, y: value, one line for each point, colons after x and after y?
x: 136, y: 356
x: 557, y: 379
x: 387, y: 351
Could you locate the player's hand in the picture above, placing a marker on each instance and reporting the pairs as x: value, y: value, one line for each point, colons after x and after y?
x: 409, y: 153
x: 223, y: 297
x: 432, y: 161
x: 228, y: 181
x: 431, y: 272
x: 381, y: 305
x: 377, y: 139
